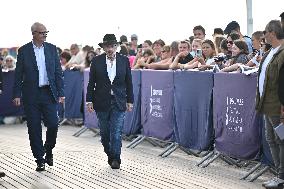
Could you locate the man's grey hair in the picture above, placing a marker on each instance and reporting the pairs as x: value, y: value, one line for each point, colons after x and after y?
x: 275, y: 26
x: 35, y: 26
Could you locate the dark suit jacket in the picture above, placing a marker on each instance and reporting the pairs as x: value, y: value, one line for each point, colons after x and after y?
x: 281, y: 85
x: 99, y: 86
x: 27, y: 77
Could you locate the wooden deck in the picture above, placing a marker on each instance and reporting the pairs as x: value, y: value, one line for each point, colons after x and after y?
x: 81, y: 163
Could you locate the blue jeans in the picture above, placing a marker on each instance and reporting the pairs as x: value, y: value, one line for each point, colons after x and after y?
x: 111, y: 125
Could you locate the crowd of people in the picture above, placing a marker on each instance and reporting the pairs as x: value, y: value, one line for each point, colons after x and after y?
x: 227, y: 51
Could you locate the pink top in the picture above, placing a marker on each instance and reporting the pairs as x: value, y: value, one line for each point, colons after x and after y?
x: 131, y: 60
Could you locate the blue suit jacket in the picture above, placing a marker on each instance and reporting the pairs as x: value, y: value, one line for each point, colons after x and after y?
x: 27, y: 75
x: 99, y: 86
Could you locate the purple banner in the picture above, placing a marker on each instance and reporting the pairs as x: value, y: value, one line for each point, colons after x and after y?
x: 91, y: 120
x: 237, y: 126
x: 193, y: 109
x: 73, y: 89
x: 157, y: 115
x: 6, y: 105
x: 132, y: 123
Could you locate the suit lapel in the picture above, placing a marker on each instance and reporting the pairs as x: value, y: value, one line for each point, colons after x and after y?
x: 32, y: 55
x: 46, y: 56
x: 104, y: 66
x: 118, y: 67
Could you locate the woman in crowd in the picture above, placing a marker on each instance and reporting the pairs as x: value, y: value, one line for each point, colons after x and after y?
x: 9, y: 64
x: 148, y: 57
x: 239, y: 55
x: 65, y: 56
x: 89, y: 57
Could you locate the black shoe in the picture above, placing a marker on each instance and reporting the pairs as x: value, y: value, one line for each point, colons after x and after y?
x: 2, y: 174
x: 109, y: 161
x: 49, y: 160
x: 40, y: 167
x: 115, y: 164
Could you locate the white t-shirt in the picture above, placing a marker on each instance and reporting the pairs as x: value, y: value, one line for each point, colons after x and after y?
x: 264, y: 68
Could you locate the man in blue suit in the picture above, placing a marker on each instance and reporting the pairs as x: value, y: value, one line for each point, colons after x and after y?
x: 110, y: 94
x: 39, y: 86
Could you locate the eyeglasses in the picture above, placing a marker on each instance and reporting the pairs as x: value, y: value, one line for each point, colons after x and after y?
x: 9, y: 60
x: 230, y: 42
x: 42, y: 33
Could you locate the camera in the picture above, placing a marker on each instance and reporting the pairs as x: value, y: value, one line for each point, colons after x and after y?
x: 198, y: 52
x: 221, y: 58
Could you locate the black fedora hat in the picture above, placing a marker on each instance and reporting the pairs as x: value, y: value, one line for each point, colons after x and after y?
x: 109, y: 39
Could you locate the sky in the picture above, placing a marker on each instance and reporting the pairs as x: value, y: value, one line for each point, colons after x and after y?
x: 85, y: 22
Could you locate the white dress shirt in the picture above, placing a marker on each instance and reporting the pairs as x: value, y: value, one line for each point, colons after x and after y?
x: 40, y: 61
x: 111, y: 70
x: 264, y: 68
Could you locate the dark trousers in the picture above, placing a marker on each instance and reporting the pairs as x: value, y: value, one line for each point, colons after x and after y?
x: 111, y: 125
x: 44, y: 108
x: 276, y: 145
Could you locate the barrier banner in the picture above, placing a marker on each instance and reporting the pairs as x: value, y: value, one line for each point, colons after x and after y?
x: 90, y: 120
x: 7, y: 107
x: 73, y: 89
x: 237, y: 126
x: 132, y: 123
x: 157, y: 114
x: 193, y: 109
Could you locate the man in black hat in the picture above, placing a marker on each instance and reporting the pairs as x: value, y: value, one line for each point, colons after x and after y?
x: 110, y: 94
x: 234, y: 27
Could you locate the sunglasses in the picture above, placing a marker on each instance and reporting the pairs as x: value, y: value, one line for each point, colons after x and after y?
x: 230, y: 42
x: 42, y: 33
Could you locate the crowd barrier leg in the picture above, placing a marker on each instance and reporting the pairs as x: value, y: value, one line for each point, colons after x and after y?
x: 251, y: 171
x: 167, y: 149
x: 137, y: 142
x: 212, y: 156
x: 216, y: 155
x: 174, y: 146
x: 84, y: 129
x: 205, y: 158
x: 262, y: 171
x: 141, y: 138
x: 134, y: 141
x: 128, y: 138
x: 167, y: 152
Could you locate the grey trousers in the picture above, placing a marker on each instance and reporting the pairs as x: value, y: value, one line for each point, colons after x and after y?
x: 275, y: 144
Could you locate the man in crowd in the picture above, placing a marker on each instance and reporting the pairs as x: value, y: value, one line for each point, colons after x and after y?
x: 183, y: 57
x: 234, y: 27
x: 133, y: 45
x: 199, y: 32
x: 39, y: 87
x: 110, y: 94
x: 77, y: 59
x: 267, y: 100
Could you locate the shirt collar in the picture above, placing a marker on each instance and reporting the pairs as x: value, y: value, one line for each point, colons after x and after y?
x: 36, y: 46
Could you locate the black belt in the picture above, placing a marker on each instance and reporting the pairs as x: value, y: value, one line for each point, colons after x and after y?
x: 44, y: 87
